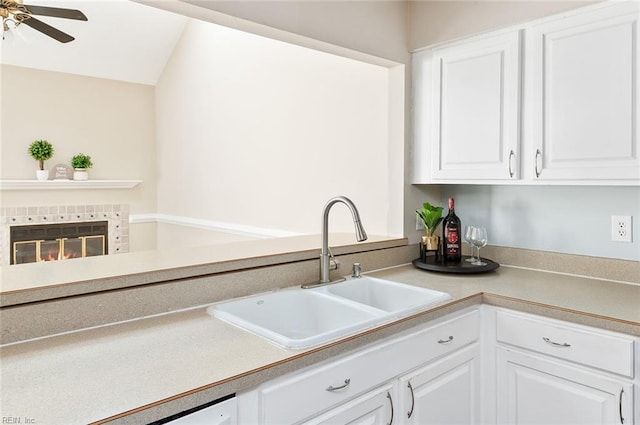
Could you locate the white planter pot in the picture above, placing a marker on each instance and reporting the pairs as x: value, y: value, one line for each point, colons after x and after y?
x: 42, y: 174
x: 80, y: 174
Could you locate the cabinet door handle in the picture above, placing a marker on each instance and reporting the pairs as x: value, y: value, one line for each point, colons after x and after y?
x: 620, y: 405
x: 446, y: 341
x: 538, y: 155
x: 339, y: 387
x: 413, y: 400
x: 511, y: 155
x: 391, y: 403
x: 556, y: 344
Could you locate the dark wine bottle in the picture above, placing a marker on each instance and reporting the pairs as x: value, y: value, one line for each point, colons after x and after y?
x: 452, y: 236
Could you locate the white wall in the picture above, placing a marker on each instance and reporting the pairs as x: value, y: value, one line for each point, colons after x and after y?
x: 369, y: 31
x: 259, y: 132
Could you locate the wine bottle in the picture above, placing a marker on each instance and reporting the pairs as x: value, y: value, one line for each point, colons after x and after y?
x: 451, y: 236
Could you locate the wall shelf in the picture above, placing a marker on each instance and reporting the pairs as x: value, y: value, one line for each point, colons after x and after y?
x: 67, y: 184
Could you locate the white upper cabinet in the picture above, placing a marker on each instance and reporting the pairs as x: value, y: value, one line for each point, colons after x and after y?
x: 585, y: 93
x: 554, y: 101
x: 476, y: 86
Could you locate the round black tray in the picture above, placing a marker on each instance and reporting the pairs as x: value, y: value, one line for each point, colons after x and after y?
x: 463, y: 267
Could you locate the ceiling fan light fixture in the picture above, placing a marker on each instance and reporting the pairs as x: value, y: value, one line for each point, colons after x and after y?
x: 15, y: 12
x: 9, y: 24
x: 10, y: 13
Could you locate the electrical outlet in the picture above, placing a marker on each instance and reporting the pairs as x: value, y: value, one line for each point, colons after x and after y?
x: 419, y: 224
x: 621, y: 228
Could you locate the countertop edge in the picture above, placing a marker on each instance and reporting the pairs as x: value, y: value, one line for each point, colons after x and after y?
x: 171, y: 272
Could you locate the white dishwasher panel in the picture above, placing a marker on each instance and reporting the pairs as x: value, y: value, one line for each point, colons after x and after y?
x: 223, y: 413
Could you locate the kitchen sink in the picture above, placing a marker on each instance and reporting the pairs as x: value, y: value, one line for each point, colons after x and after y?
x: 302, y: 318
x: 392, y: 297
x: 295, y: 318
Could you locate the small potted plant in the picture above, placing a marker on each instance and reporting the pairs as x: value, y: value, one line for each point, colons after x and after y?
x: 41, y: 150
x: 81, y: 163
x: 431, y: 217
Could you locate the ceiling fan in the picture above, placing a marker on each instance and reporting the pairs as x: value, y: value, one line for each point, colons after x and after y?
x: 14, y: 11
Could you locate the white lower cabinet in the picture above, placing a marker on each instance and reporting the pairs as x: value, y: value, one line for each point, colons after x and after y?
x: 445, y: 392
x: 360, y: 387
x: 554, y: 372
x: 533, y: 390
x: 485, y: 365
x: 373, y: 408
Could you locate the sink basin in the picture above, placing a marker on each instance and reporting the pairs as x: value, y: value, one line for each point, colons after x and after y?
x: 301, y: 318
x: 392, y: 297
x: 296, y: 318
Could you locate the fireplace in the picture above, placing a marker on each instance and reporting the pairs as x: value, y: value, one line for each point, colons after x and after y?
x: 61, y: 241
x: 48, y: 233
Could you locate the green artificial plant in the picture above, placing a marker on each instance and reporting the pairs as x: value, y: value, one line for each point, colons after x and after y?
x: 430, y: 216
x: 81, y: 161
x: 41, y: 150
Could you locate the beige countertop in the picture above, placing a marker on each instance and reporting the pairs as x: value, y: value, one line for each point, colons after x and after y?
x: 32, y: 282
x: 122, y: 369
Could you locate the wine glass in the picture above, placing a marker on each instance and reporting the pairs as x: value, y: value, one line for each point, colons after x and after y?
x: 468, y: 232
x: 479, y: 239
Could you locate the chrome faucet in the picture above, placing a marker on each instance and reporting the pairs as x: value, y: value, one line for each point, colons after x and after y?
x: 325, y: 254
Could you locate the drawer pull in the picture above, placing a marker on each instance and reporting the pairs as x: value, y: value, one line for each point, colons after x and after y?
x: 413, y: 400
x: 445, y: 341
x: 511, y: 155
x: 555, y: 344
x: 391, y: 403
x: 538, y: 154
x: 345, y: 385
x: 620, y: 405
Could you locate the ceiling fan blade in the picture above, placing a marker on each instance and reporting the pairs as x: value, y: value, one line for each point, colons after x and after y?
x: 48, y: 30
x: 56, y: 12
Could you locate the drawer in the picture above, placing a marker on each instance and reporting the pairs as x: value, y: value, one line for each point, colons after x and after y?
x: 580, y: 344
x: 447, y: 337
x: 322, y: 387
x: 298, y: 396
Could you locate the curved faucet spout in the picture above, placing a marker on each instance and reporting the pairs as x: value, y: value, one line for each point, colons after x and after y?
x: 361, y: 235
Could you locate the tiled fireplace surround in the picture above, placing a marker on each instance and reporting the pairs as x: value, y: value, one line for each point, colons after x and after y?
x: 116, y: 215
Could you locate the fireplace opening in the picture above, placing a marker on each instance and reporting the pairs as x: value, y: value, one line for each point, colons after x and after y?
x: 60, y: 241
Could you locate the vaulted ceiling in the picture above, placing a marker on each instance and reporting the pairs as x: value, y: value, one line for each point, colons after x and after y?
x: 121, y: 40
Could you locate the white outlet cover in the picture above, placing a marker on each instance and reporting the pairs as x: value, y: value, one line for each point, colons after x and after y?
x: 621, y: 228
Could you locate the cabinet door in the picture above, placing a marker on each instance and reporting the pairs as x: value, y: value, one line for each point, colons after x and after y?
x: 477, y: 109
x: 535, y: 391
x: 585, y: 90
x: 445, y: 392
x: 373, y: 408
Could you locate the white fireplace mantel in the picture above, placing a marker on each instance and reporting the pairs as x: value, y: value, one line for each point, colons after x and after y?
x: 67, y: 184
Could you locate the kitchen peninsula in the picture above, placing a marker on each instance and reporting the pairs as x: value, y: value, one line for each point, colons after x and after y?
x: 162, y: 364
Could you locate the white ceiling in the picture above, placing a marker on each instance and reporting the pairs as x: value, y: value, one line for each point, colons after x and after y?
x: 121, y: 40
